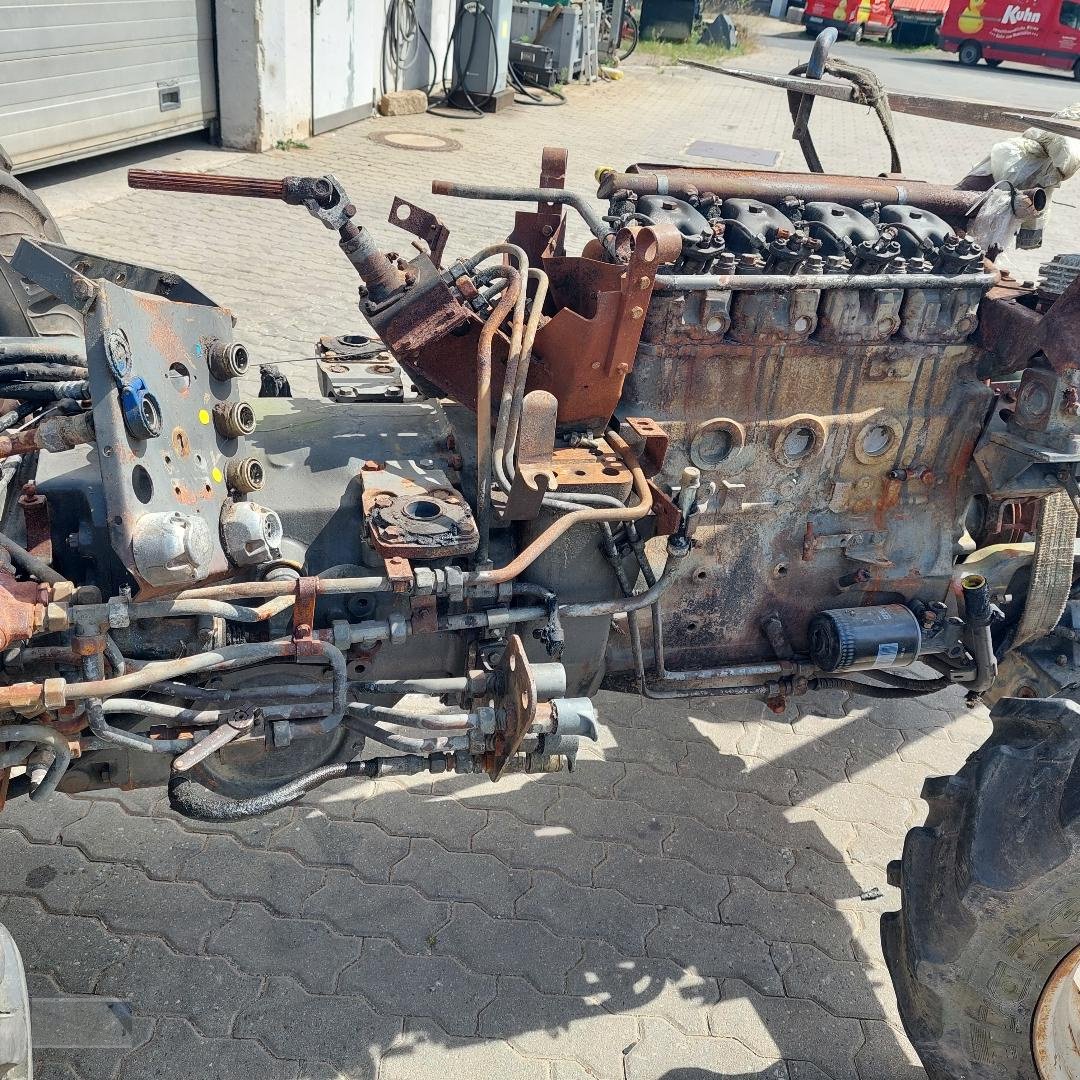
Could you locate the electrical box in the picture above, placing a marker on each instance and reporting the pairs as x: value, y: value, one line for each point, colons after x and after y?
x: 482, y: 46
x: 556, y: 28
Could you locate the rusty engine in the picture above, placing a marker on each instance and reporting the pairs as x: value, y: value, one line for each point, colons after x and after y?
x: 768, y: 433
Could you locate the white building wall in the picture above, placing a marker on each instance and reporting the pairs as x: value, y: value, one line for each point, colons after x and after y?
x: 264, y: 71
x: 264, y: 52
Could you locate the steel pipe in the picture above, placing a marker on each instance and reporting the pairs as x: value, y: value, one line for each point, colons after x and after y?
x: 788, y: 282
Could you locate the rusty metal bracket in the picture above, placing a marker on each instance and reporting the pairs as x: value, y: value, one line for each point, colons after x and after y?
x: 307, y: 590
x: 516, y: 700
x: 656, y: 442
x: 667, y: 514
x: 35, y: 510
x: 534, y: 474
x: 399, y: 571
x: 425, y: 615
x: 653, y: 246
x: 422, y: 224
x: 552, y: 171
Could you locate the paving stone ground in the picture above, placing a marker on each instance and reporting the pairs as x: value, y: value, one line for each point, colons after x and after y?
x: 685, y: 904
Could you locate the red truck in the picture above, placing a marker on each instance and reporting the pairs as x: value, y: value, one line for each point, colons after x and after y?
x: 1043, y: 32
x: 852, y: 18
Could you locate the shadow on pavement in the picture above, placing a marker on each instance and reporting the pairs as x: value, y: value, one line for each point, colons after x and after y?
x: 686, y: 905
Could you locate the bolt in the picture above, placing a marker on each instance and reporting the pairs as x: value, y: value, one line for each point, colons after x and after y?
x: 636, y: 312
x: 1061, y: 660
x: 383, y: 500
x: 371, y: 466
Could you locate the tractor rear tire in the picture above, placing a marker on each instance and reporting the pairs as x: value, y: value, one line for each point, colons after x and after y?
x: 990, y: 914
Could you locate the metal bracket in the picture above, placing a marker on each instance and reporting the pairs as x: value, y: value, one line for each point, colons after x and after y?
x: 656, y: 442
x: 421, y: 223
x: 517, y: 701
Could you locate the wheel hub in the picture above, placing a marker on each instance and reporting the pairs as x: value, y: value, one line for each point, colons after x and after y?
x: 1055, y: 1028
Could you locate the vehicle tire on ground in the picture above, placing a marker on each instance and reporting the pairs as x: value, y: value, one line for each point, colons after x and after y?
x: 888, y: 38
x: 969, y: 53
x: 857, y: 33
x: 1076, y: 70
x: 984, y: 949
x: 991, y: 62
x: 16, y: 1053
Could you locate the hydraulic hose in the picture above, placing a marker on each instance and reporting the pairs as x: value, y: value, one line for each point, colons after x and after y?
x: 853, y: 686
x: 50, y: 739
x: 193, y: 800
x: 22, y: 558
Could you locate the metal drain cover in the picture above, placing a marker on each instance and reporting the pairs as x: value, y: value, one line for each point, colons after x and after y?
x: 414, y: 140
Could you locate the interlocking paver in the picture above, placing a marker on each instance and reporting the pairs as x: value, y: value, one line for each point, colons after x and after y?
x: 556, y: 847
x: 110, y: 834
x: 399, y: 912
x: 71, y: 950
x: 200, y: 989
x: 225, y: 868
x: 494, y: 946
x: 129, y: 902
x: 800, y: 1028
x: 714, y: 950
x: 662, y: 1053
x: 444, y: 875
x: 260, y: 944
x: 410, y: 1057
x: 661, y: 880
x: 176, y: 1049
x: 317, y: 839
x: 587, y: 912
x: 729, y: 852
x: 339, y: 1029
x: 436, y: 986
x: 563, y: 1026
x: 645, y: 985
x: 601, y: 938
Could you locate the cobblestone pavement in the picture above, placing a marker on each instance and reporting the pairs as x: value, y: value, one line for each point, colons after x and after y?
x: 685, y: 904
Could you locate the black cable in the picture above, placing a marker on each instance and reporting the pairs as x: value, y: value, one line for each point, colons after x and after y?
x: 522, y: 83
x: 401, y: 29
x: 458, y: 87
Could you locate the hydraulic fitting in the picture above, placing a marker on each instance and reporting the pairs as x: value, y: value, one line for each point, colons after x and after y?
x: 244, y: 475
x: 233, y: 419
x: 226, y: 361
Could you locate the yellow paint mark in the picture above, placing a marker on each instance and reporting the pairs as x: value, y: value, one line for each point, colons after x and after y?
x: 204, y: 416
x: 216, y: 474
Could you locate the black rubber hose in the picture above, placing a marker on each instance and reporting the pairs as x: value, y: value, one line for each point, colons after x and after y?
x: 853, y: 686
x: 45, y: 391
x: 924, y: 686
x: 42, y: 372
x: 192, y: 800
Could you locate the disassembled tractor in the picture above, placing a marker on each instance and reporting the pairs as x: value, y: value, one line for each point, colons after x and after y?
x: 769, y: 433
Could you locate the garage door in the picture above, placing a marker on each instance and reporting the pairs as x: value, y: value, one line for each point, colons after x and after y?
x: 79, y: 78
